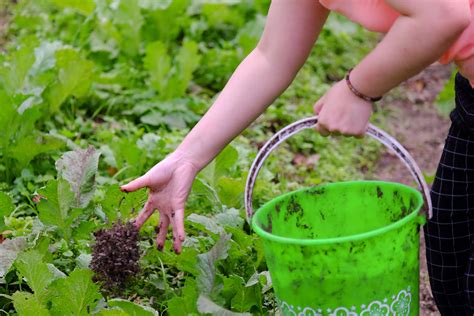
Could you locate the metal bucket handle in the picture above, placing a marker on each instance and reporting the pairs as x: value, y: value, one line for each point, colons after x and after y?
x: 310, y: 122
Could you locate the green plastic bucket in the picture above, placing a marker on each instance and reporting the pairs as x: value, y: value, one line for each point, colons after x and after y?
x: 348, y: 248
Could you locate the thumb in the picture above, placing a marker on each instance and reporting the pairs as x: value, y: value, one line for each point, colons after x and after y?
x: 136, y: 184
x: 318, y: 106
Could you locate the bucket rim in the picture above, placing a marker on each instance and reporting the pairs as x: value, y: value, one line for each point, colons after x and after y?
x: 335, y: 240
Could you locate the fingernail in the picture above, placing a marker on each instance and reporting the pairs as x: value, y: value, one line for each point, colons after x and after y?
x: 123, y: 190
x: 160, y: 247
x: 176, y: 250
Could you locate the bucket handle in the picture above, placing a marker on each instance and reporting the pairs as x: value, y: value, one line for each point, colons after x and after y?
x: 310, y: 122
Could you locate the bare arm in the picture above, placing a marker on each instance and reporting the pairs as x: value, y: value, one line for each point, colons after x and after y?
x: 422, y: 33
x: 290, y: 32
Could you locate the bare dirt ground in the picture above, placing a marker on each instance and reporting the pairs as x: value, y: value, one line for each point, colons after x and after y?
x: 415, y: 122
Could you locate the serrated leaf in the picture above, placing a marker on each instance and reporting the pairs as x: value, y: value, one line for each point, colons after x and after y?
x: 158, y: 63
x: 9, y: 250
x: 79, y: 169
x: 26, y: 304
x: 75, y: 294
x: 187, y: 61
x: 37, y: 274
x: 207, y: 306
x: 207, y: 264
x: 132, y: 308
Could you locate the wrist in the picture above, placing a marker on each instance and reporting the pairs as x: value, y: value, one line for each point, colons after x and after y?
x: 188, y: 156
x: 357, y: 92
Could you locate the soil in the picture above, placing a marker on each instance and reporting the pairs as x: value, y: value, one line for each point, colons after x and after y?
x: 115, y: 256
x: 414, y: 121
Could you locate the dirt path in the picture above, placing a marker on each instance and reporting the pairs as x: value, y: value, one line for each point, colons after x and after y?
x: 413, y: 120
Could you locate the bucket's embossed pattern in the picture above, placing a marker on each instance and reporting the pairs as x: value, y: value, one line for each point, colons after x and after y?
x: 396, y: 305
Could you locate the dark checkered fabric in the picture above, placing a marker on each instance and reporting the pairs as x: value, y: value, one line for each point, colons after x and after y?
x: 449, y: 234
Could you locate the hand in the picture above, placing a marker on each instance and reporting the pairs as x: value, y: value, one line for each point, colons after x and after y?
x: 169, y: 183
x: 341, y: 112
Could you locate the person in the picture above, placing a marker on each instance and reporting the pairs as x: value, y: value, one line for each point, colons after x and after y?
x: 417, y: 34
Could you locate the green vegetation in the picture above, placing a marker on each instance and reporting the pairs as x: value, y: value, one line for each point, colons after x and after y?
x: 93, y: 94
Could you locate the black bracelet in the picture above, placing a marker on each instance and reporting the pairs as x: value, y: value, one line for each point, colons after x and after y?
x: 357, y: 93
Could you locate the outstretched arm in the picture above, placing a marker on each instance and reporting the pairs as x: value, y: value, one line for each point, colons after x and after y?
x: 424, y: 30
x: 290, y: 32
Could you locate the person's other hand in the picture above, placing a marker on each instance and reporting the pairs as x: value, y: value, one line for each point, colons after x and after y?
x: 341, y: 112
x: 169, y: 183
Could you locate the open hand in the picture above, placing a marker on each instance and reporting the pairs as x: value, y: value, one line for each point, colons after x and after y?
x: 341, y: 112
x: 169, y: 183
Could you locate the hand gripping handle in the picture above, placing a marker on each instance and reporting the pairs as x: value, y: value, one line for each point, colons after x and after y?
x: 310, y: 122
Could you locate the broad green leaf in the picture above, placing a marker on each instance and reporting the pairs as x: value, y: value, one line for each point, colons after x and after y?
x: 28, y: 147
x: 84, y: 7
x: 14, y: 72
x: 121, y: 205
x: 217, y: 223
x: 9, y: 250
x: 207, y: 264
x: 37, y: 274
x: 74, y: 78
x: 27, y: 304
x: 231, y: 286
x: 116, y: 311
x: 6, y: 207
x: 83, y: 261
x: 220, y: 166
x: 132, y: 308
x: 245, y: 298
x: 206, y: 306
x: 230, y: 191
x: 79, y: 169
x: 186, y: 303
x: 75, y: 294
x: 54, y: 208
x: 128, y: 156
x: 45, y: 57
x: 158, y: 63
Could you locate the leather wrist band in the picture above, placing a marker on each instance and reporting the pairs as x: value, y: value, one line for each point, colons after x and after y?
x: 357, y: 92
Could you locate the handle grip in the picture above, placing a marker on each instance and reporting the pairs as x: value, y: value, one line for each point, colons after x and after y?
x: 310, y: 122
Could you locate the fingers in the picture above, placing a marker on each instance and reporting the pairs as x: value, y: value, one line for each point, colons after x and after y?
x: 162, y: 231
x: 145, y: 213
x: 322, y: 130
x: 177, y: 222
x: 136, y: 184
